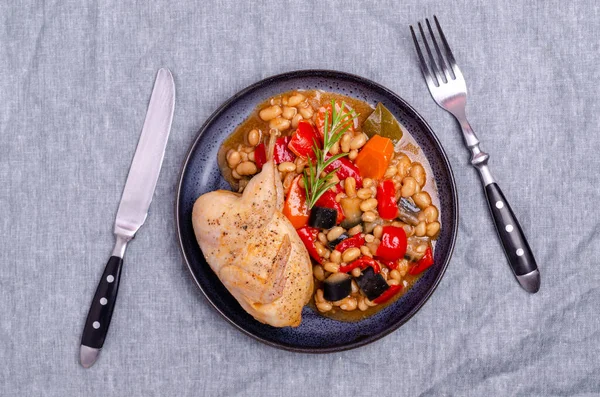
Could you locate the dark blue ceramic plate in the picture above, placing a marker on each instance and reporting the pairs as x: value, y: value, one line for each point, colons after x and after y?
x: 200, y: 174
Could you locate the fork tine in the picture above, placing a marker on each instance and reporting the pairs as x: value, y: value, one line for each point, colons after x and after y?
x: 439, y: 53
x: 431, y: 59
x: 422, y: 63
x: 449, y: 54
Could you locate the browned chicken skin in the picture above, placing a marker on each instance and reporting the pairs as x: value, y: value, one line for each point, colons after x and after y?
x: 254, y: 249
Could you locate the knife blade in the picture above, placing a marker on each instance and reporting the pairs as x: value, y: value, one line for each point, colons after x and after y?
x: 133, y: 210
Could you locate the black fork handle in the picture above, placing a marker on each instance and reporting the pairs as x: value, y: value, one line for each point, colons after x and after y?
x: 516, y: 248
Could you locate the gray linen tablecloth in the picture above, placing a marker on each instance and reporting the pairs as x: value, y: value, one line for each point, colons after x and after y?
x: 75, y: 78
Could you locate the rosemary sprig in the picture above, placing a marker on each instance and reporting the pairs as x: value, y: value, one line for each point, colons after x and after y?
x: 315, y: 184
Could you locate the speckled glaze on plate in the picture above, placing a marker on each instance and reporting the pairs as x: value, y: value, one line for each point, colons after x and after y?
x: 200, y: 174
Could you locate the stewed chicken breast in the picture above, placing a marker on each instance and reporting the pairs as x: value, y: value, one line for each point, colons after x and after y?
x: 254, y: 249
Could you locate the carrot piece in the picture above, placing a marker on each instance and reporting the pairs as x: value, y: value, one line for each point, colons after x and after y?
x: 375, y: 156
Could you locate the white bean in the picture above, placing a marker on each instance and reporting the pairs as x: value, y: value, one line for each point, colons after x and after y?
x: 368, y: 205
x: 350, y: 254
x: 335, y: 256
x: 331, y: 267
x: 318, y: 272
x: 409, y: 186
x: 369, y: 216
x: 432, y: 229
x: 430, y: 213
x: 358, y: 141
x: 233, y: 159
x: 422, y: 200
x: 420, y: 229
x: 418, y: 172
x: 270, y: 113
x: 287, y: 166
x: 246, y: 168
x: 364, y: 193
x: 345, y: 143
x: 335, y: 232
x: 306, y: 112
x: 353, y: 231
x: 289, y: 112
x: 350, y: 186
x: 296, y: 120
x: 279, y: 123
x: 295, y: 99
x: 390, y: 172
x: 253, y: 137
x: 378, y: 231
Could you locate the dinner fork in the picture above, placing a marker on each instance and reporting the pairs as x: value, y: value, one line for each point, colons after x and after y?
x: 449, y: 90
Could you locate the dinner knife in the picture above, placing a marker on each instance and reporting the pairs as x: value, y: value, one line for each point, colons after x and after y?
x: 132, y: 212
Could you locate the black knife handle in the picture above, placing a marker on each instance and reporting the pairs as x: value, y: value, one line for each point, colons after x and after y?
x: 101, y: 309
x: 509, y: 230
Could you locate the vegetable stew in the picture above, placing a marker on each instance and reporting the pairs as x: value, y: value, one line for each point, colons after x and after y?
x: 358, y: 190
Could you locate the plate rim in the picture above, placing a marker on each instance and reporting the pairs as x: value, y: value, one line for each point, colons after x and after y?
x: 323, y: 73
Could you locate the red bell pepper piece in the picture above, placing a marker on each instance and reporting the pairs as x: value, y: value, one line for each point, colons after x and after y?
x: 386, y: 200
x: 295, y: 208
x: 388, y: 294
x: 392, y: 265
x: 308, y: 235
x: 424, y: 263
x: 393, y: 243
x: 282, y: 153
x: 352, y: 242
x: 260, y: 156
x: 327, y: 200
x: 345, y: 168
x: 363, y: 262
x: 320, y: 119
x: 304, y: 139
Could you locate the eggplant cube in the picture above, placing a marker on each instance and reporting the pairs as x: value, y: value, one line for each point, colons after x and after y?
x: 337, y: 286
x: 322, y: 217
x: 371, y: 283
